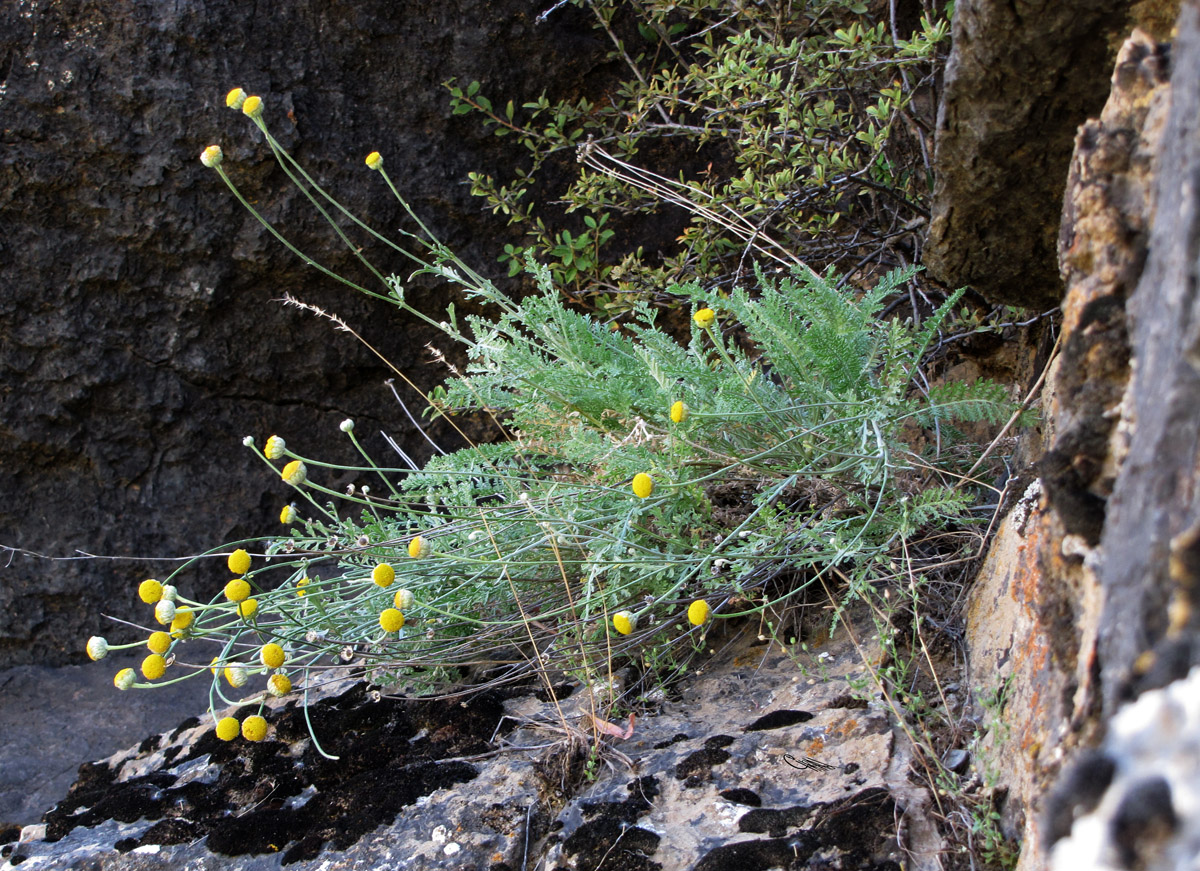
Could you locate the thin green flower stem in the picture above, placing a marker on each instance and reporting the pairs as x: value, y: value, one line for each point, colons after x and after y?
x: 332, y: 201
x: 280, y: 155
x: 271, y: 229
x: 481, y: 285
x: 379, y: 471
x: 308, y: 723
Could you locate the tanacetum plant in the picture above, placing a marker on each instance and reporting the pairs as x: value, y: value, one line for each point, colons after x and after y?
x: 602, y: 528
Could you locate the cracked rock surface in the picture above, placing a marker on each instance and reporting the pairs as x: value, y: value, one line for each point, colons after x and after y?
x: 762, y: 759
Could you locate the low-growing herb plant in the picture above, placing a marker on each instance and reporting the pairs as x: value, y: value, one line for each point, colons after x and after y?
x: 600, y: 529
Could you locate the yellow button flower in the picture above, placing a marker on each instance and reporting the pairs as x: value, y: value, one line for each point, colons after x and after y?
x: 124, y: 678
x: 643, y: 485
x: 239, y: 562
x: 235, y: 98
x: 236, y: 675
x: 159, y: 642
x: 252, y: 107
x: 150, y: 591
x: 625, y: 622
x: 418, y: 548
x: 184, y: 618
x: 164, y: 612
x: 705, y: 318
x: 271, y: 655
x: 403, y: 599
x: 300, y: 585
x: 247, y: 609
x: 97, y: 648
x: 294, y: 473
x: 391, y: 620
x: 698, y: 612
x: 254, y: 728
x: 279, y: 685
x: 237, y: 590
x: 679, y: 412
x: 154, y: 666
x: 288, y: 514
x: 228, y: 728
x: 383, y: 574
x: 274, y: 448
x: 374, y: 160
x: 212, y: 156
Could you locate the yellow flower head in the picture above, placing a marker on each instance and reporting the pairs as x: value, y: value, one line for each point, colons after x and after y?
x: 254, y: 728
x: 679, y: 412
x: 383, y: 575
x: 374, y: 160
x: 698, y: 612
x: 391, y: 620
x: 235, y: 98
x: 418, y: 548
x: 184, y: 618
x: 279, y: 685
x: 294, y: 473
x: 124, y: 678
x: 97, y: 648
x: 164, y: 612
x: 228, y: 728
x: 247, y: 609
x: 643, y: 485
x: 288, y: 514
x: 271, y: 655
x: 236, y: 675
x: 274, y: 448
x: 212, y: 156
x: 159, y: 642
x: 300, y: 585
x: 237, y: 590
x: 150, y: 591
x: 705, y: 318
x: 239, y: 562
x: 252, y: 107
x: 154, y: 666
x: 403, y: 599
x: 625, y: 622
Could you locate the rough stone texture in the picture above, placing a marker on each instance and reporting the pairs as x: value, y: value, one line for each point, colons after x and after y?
x: 54, y: 718
x: 1137, y: 802
x: 1101, y: 607
x: 1150, y: 618
x: 715, y: 779
x: 138, y: 338
x: 1020, y: 78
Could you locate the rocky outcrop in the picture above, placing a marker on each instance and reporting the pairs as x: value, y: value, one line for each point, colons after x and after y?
x: 766, y: 758
x: 139, y: 337
x: 1021, y: 77
x: 1089, y: 601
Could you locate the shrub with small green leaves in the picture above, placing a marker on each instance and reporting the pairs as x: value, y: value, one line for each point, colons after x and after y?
x: 809, y: 125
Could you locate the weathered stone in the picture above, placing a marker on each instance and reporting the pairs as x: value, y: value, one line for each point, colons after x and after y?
x: 725, y: 775
x: 1039, y: 614
x: 1020, y: 78
x: 139, y: 340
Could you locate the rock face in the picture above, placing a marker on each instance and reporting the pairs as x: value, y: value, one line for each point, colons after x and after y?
x: 766, y: 759
x: 1095, y: 603
x: 139, y: 340
x: 1021, y: 77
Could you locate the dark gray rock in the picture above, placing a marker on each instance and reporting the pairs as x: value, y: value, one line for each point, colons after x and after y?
x: 1149, y: 570
x: 139, y: 337
x: 508, y: 780
x: 52, y: 719
x: 1021, y: 77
